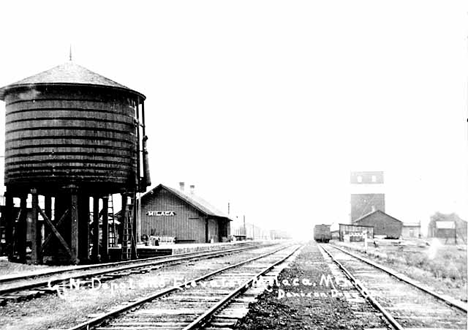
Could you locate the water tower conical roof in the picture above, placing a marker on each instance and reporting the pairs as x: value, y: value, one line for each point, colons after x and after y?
x: 68, y: 73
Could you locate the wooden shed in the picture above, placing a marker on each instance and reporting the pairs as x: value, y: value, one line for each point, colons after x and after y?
x: 411, y: 230
x: 354, y: 233
x: 384, y: 224
x: 174, y: 213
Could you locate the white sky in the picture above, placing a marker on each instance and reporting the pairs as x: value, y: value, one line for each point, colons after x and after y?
x: 269, y: 104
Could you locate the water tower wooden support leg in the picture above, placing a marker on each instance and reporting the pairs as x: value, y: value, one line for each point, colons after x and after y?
x: 95, y: 255
x: 48, y: 212
x: 36, y: 239
x: 9, y: 222
x: 21, y: 230
x: 74, y: 239
x: 134, y: 238
x: 83, y: 228
x: 105, y: 229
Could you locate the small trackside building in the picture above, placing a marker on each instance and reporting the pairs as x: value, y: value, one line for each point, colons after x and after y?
x: 354, y: 233
x: 411, y: 230
x: 169, y: 212
x: 383, y: 224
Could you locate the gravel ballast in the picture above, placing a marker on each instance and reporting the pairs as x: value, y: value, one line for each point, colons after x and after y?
x: 311, y: 294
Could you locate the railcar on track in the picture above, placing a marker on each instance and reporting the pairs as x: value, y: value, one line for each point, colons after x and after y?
x: 322, y: 233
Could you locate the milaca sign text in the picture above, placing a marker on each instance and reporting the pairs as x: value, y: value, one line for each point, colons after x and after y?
x: 160, y: 213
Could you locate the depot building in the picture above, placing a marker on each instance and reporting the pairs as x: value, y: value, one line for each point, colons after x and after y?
x: 169, y: 213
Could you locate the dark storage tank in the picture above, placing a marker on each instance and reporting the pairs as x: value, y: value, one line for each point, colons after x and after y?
x: 71, y: 126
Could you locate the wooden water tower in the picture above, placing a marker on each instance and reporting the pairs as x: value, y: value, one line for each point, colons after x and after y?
x: 71, y: 135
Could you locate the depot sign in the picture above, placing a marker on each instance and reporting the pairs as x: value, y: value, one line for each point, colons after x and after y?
x: 160, y: 213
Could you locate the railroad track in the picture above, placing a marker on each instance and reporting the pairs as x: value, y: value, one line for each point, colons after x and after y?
x: 197, y: 302
x: 404, y: 303
x: 26, y: 287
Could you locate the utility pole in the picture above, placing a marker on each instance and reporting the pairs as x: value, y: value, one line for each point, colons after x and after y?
x: 245, y: 229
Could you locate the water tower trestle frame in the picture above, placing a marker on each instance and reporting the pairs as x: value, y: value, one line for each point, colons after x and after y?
x: 69, y: 233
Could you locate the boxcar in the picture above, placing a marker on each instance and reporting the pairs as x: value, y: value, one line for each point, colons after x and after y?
x: 322, y: 233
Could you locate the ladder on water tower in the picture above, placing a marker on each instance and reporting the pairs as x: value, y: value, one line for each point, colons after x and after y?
x: 112, y: 227
x: 128, y: 239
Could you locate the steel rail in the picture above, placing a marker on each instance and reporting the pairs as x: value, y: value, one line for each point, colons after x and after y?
x: 364, y: 292
x: 102, y: 318
x: 447, y: 300
x: 159, y: 261
x: 205, y: 317
x: 11, y: 278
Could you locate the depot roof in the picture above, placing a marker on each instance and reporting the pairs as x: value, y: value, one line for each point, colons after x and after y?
x: 190, y: 198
